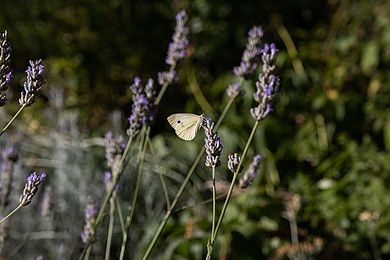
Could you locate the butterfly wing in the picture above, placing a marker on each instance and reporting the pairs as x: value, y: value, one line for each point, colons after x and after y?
x: 186, y: 125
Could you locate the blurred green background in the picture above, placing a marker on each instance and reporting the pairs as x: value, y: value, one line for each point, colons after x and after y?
x: 327, y: 140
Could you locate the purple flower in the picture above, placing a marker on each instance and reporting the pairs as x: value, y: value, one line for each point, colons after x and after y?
x: 142, y: 111
x: 233, y: 162
x: 213, y: 145
x: 91, y: 212
x: 5, y: 71
x: 251, y: 172
x: 233, y: 90
x: 267, y: 84
x: 114, y: 148
x: 33, y: 84
x: 252, y: 51
x: 177, y: 48
x: 31, y: 188
x: 166, y: 77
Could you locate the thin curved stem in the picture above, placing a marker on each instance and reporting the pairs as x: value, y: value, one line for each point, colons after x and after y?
x: 110, y: 226
x: 11, y: 213
x: 13, y: 119
x: 214, y: 200
x: 212, y: 241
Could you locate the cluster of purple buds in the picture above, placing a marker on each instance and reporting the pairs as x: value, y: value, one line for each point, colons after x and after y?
x: 91, y: 212
x: 142, y: 111
x: 166, y: 77
x: 114, y: 149
x: 177, y: 48
x: 5, y: 70
x: 233, y: 90
x: 213, y: 145
x: 233, y: 162
x: 267, y: 84
x: 31, y: 188
x: 251, y: 172
x: 33, y: 84
x: 252, y: 51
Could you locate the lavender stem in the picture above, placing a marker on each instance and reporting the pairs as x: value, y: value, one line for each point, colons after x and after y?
x: 13, y: 119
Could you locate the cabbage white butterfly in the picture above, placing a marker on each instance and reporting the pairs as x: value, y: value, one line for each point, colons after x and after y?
x: 186, y: 125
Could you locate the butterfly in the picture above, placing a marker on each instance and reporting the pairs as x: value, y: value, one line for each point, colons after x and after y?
x: 186, y: 125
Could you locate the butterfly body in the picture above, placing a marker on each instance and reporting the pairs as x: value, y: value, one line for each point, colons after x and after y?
x: 186, y: 125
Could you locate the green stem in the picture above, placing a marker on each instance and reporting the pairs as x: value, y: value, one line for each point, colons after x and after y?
x: 11, y: 213
x: 120, y: 214
x: 110, y: 226
x: 232, y: 186
x: 214, y: 200
x: 135, y: 196
x: 13, y: 119
x: 183, y: 185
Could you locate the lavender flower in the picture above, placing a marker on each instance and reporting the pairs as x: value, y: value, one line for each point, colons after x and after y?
x: 177, y: 48
x: 233, y: 90
x: 108, y: 180
x: 252, y: 51
x: 5, y: 71
x: 166, y: 77
x: 213, y: 144
x: 9, y: 158
x: 267, y: 84
x: 114, y: 149
x: 251, y: 172
x: 233, y: 162
x: 91, y: 212
x: 142, y: 112
x: 31, y: 188
x: 33, y: 84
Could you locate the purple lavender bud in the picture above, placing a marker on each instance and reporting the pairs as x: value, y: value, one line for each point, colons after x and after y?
x: 252, y: 51
x: 251, y: 172
x: 31, y: 188
x: 213, y: 145
x: 267, y: 84
x: 114, y: 148
x: 166, y: 77
x: 142, y: 112
x: 177, y: 48
x: 233, y: 162
x: 91, y: 212
x: 33, y: 84
x: 5, y: 70
x: 233, y: 90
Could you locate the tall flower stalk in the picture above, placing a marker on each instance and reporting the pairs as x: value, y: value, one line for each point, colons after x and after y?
x: 5, y: 70
x: 266, y: 87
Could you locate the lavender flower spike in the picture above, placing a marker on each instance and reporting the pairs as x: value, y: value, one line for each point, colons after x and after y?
x: 213, y: 144
x: 251, y: 172
x: 31, y: 188
x: 267, y: 84
x: 177, y: 48
x: 91, y: 212
x: 252, y: 51
x: 5, y: 71
x: 33, y: 84
x: 114, y: 148
x: 142, y: 111
x: 233, y: 162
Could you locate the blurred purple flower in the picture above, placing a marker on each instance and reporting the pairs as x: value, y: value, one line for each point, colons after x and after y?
x: 233, y: 90
x: 33, y: 84
x: 142, y: 111
x: 166, y: 77
x: 31, y: 188
x: 5, y: 70
x: 251, y: 172
x: 91, y: 211
x: 177, y: 48
x: 267, y: 84
x: 252, y: 51
x: 114, y: 148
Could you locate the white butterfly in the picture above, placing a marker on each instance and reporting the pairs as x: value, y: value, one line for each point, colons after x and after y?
x: 186, y: 125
